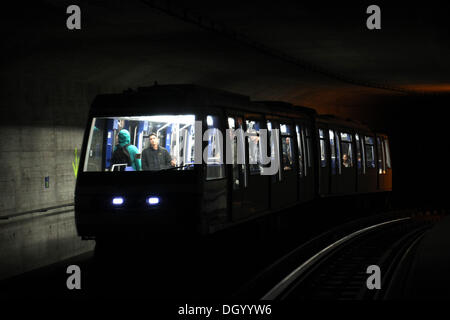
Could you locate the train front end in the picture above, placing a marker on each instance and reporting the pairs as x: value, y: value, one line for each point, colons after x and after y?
x: 137, y: 173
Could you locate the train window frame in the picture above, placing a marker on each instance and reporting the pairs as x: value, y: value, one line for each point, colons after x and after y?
x: 372, y: 148
x: 384, y: 156
x: 338, y: 151
x: 219, y: 139
x: 301, y: 149
x: 251, y: 166
x: 380, y: 157
x: 308, y: 146
x: 332, y: 151
x: 347, y: 140
x: 360, y: 165
x: 89, y: 150
x: 284, y: 135
x: 240, y: 168
x: 274, y: 124
x: 388, y: 153
x: 140, y: 127
x: 322, y: 148
x: 363, y: 152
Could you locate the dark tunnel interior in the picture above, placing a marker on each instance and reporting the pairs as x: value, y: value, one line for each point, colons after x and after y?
x: 394, y: 80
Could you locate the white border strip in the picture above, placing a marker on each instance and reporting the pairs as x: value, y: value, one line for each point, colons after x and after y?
x: 283, y: 284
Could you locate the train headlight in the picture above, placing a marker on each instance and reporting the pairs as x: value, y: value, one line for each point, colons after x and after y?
x: 153, y: 201
x: 117, y: 201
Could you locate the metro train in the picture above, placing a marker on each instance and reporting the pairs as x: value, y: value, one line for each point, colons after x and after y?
x: 318, y: 157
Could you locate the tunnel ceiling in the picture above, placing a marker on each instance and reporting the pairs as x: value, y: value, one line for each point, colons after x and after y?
x: 313, y: 54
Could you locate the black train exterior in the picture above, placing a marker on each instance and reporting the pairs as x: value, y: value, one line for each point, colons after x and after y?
x: 190, y: 204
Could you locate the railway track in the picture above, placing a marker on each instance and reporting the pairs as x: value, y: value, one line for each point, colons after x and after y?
x: 337, y: 269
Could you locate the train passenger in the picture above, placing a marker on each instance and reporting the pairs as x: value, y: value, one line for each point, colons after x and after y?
x: 345, y: 161
x: 254, y: 155
x: 124, y: 152
x: 155, y: 157
x: 287, y: 157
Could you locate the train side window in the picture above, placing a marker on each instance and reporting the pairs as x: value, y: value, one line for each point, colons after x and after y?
x: 300, y: 144
x: 237, y: 155
x: 338, y: 151
x: 359, y: 158
x: 332, y: 151
x: 286, y: 144
x: 388, y: 154
x: 383, y: 150
x: 214, y: 165
x: 323, y: 156
x: 347, y: 152
x: 254, y: 150
x: 274, y: 143
x: 369, y: 152
x: 271, y: 139
x: 307, y: 135
x: 240, y: 125
x: 95, y: 150
x: 380, y: 153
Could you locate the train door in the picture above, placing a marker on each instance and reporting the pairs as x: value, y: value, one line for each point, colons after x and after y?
x: 347, y: 178
x: 302, y: 189
x: 237, y: 172
x: 369, y: 179
x: 380, y: 164
x: 287, y: 185
x: 256, y: 193
x: 335, y: 166
x: 215, y: 184
x: 310, y: 181
x: 360, y: 164
x: 278, y: 197
x: 324, y: 175
x: 388, y: 175
x: 384, y: 173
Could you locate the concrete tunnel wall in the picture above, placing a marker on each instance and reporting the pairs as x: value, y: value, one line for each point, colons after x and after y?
x: 45, y: 126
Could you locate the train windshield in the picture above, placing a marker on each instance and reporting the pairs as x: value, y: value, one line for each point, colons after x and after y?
x: 141, y: 143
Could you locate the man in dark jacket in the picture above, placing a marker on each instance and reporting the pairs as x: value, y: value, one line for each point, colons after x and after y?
x: 155, y: 157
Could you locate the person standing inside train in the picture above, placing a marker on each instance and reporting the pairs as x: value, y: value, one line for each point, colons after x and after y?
x: 155, y: 157
x: 131, y: 152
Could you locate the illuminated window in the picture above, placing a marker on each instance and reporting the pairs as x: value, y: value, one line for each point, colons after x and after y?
x: 359, y: 156
x: 381, y: 161
x: 347, y: 153
x: 338, y: 151
x: 388, y: 153
x: 254, y: 152
x: 323, y: 157
x: 286, y: 147
x: 214, y: 163
x: 300, y: 146
x: 238, y: 155
x: 153, y: 143
x: 369, y: 152
x: 308, y: 151
x: 333, y: 152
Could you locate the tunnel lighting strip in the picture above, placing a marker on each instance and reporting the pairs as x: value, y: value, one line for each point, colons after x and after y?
x: 294, y: 275
x: 218, y: 27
